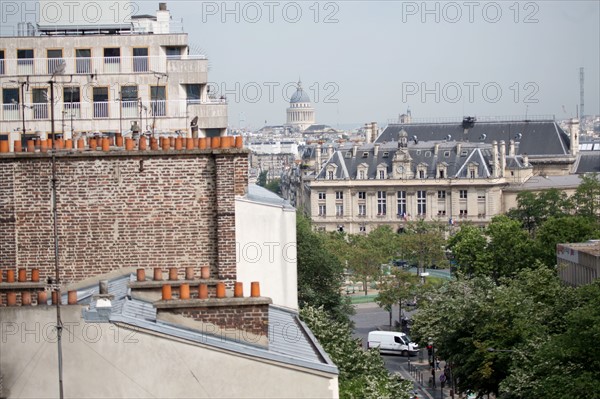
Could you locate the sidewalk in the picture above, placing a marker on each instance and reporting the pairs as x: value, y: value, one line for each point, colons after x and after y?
x: 417, y: 369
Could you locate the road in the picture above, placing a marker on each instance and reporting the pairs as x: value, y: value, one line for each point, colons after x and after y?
x: 369, y: 317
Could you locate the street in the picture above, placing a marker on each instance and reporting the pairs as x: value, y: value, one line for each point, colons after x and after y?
x: 369, y: 317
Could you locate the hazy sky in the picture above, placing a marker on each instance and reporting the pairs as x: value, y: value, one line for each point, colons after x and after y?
x: 364, y: 61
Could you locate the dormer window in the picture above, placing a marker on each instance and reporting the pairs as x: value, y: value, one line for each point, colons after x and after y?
x: 365, y: 155
x: 382, y: 171
x: 447, y: 154
x: 382, y: 174
x: 330, y: 175
x: 422, y: 171
x: 361, y: 174
x: 386, y: 154
x: 442, y: 174
x: 421, y: 174
x: 348, y: 154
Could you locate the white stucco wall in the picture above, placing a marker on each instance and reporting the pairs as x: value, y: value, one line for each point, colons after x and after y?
x: 103, y: 360
x: 266, y: 250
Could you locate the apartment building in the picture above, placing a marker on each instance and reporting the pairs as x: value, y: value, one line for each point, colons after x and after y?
x: 135, y: 76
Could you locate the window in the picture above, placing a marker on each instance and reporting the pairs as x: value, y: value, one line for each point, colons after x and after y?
x: 472, y: 173
x: 421, y: 174
x: 441, y: 212
x: 442, y: 173
x: 365, y: 155
x: 463, y: 194
x: 330, y: 175
x: 25, y: 61
x: 441, y: 202
x: 112, y: 60
x: 25, y: 57
x: 158, y: 97
x: 1, y: 62
x: 362, y: 209
x: 462, y: 213
x: 362, y: 195
x: 339, y: 195
x: 192, y: 92
x: 140, y: 59
x: 441, y: 194
x: 322, y: 210
x: 348, y: 154
x: 112, y: 55
x: 481, y: 203
x: 361, y: 174
x: 100, y: 102
x: 83, y: 63
x: 10, y: 104
x: 54, y: 60
x: 381, y: 203
x: 382, y: 174
x: 173, y: 53
x: 339, y: 210
x: 40, y: 103
x: 401, y: 203
x: 386, y: 154
x: 129, y: 101
x: 71, y: 101
x: 362, y: 229
x: 422, y: 202
x: 446, y: 154
x: 322, y: 195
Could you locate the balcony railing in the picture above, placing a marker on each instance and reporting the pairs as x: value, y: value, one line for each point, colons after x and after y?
x: 96, y: 65
x: 101, y: 109
x: 10, y: 112
x: 132, y: 110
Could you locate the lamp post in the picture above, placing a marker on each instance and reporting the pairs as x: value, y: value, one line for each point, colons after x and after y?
x: 432, y: 362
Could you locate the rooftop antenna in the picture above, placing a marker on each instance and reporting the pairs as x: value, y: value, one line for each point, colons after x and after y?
x: 581, y: 86
x: 59, y: 70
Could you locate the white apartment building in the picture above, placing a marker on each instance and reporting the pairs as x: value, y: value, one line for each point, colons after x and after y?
x: 134, y: 75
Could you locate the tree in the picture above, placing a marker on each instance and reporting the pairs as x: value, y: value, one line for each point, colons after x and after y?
x: 262, y: 178
x: 401, y: 285
x: 424, y: 243
x: 466, y: 317
x: 274, y: 186
x: 320, y: 274
x: 586, y: 199
x: 534, y: 209
x: 362, y: 373
x: 467, y: 247
x: 509, y: 248
x: 566, y: 229
x: 567, y: 365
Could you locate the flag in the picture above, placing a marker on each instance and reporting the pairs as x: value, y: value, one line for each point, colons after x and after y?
x: 451, y: 221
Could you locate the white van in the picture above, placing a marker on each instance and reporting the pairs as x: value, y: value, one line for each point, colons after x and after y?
x: 392, y: 342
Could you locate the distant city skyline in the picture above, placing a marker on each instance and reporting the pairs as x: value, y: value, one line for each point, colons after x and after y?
x: 369, y: 61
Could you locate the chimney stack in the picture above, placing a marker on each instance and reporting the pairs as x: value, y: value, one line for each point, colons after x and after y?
x: 374, y: 131
x: 502, y: 157
x: 458, y: 148
x: 511, y: 148
x: 375, y: 150
x: 329, y: 150
x: 574, y: 133
x: 354, y: 150
x: 367, y: 132
x: 318, y: 158
x: 495, y: 163
x: 436, y: 149
x: 525, y: 160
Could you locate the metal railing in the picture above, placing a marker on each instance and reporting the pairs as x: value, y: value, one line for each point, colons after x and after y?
x: 89, y: 65
x: 459, y: 119
x: 115, y: 109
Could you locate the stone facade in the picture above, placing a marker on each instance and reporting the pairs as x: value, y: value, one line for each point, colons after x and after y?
x: 121, y: 209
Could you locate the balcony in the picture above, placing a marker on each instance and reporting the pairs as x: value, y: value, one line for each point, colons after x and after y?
x: 10, y: 112
x: 188, y: 64
x: 100, y: 109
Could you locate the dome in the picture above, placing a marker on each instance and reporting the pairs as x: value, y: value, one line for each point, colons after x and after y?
x: 300, y: 95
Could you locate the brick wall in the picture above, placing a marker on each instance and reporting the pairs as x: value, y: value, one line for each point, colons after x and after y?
x: 249, y: 318
x: 120, y: 209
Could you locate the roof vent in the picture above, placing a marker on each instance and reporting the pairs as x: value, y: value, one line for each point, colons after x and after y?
x: 468, y: 122
x: 483, y: 137
x: 415, y: 139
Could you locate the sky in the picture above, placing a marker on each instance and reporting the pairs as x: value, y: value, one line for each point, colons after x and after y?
x: 363, y: 61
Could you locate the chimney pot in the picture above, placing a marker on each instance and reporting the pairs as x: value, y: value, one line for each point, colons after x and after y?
x: 72, y: 298
x: 166, y: 292
x: 255, y: 289
x: 220, y: 290
x: 26, y: 298
x: 103, y: 288
x: 10, y: 276
x: 158, y: 274
x: 238, y: 290
x: 11, y: 298
x: 22, y: 275
x: 173, y: 273
x: 203, y: 291
x: 42, y: 298
x: 35, y: 275
x: 141, y: 275
x: 184, y: 291
x: 189, y: 273
x: 162, y: 6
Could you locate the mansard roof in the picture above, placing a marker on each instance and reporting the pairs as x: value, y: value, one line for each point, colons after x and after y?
x: 536, y: 138
x: 457, y: 158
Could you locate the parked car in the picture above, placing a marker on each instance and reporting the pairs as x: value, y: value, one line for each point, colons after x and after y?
x: 392, y: 342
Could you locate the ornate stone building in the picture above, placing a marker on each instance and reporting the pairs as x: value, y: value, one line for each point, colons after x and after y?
x: 300, y: 114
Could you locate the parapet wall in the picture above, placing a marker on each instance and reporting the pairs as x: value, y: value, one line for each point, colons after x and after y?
x: 117, y: 209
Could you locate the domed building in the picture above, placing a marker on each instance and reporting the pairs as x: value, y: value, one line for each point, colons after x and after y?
x: 300, y: 114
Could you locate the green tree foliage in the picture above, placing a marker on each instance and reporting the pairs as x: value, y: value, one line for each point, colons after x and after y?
x: 468, y: 248
x: 396, y: 288
x: 320, y: 274
x: 262, y: 178
x: 466, y: 317
x: 274, y: 186
x: 509, y: 248
x: 362, y: 373
x: 423, y: 243
x: 566, y: 229
x: 567, y: 365
x: 586, y: 199
x: 533, y: 209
